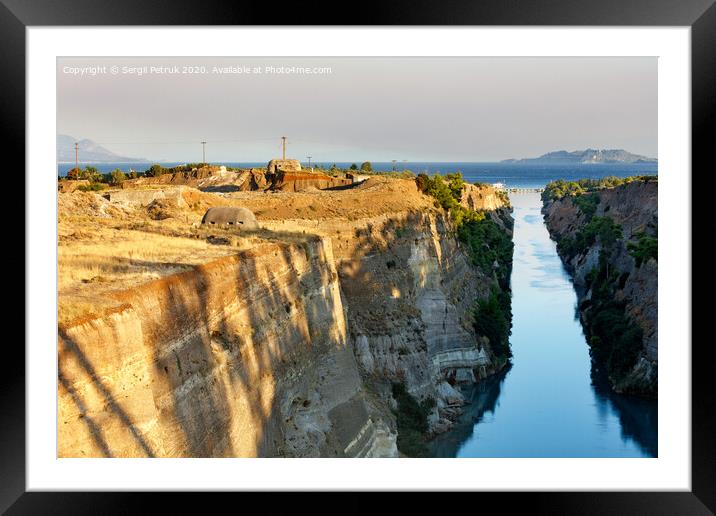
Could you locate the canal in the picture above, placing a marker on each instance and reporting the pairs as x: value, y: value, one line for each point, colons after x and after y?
x: 553, y: 401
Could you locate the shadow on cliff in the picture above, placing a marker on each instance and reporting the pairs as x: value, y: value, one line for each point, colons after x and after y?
x: 109, y: 400
x: 481, y: 399
x: 638, y: 417
x: 248, y: 359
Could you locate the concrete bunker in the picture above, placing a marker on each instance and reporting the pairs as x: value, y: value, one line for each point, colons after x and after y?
x: 229, y: 216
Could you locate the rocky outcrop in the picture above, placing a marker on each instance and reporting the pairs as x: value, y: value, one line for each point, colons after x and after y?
x: 248, y: 355
x: 633, y: 207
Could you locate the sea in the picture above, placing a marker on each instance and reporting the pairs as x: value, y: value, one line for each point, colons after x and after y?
x: 512, y: 175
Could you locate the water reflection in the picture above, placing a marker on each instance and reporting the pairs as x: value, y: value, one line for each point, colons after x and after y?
x: 638, y: 417
x: 553, y: 402
x: 481, y: 401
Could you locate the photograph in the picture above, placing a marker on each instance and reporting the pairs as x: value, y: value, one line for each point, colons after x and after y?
x: 357, y: 257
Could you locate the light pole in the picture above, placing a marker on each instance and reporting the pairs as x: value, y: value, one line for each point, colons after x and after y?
x: 203, y: 152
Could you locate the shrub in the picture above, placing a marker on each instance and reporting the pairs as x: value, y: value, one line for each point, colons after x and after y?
x: 155, y: 171
x: 455, y: 184
x: 366, y: 166
x: 116, y: 177
x: 486, y: 243
x: 646, y: 247
x: 92, y: 187
x: 587, y: 204
x: 560, y: 188
x: 603, y: 228
x: 613, y: 338
x: 493, y: 320
x: 74, y: 173
x: 412, y: 420
x: 354, y: 167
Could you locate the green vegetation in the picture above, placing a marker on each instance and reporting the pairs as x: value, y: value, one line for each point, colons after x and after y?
x: 645, y: 247
x: 158, y: 170
x: 561, y: 188
x: 489, y: 246
x: 614, y: 339
x: 92, y: 187
x: 490, y: 249
x: 354, y: 167
x: 587, y: 204
x: 89, y: 173
x: 603, y: 228
x: 412, y: 419
x: 444, y: 190
x: 493, y: 319
x: 366, y: 166
x: 116, y: 177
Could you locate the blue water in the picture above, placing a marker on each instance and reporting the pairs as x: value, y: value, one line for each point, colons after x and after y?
x: 516, y: 176
x: 552, y: 402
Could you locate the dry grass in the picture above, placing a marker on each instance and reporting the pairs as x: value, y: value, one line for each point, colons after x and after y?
x: 108, y: 246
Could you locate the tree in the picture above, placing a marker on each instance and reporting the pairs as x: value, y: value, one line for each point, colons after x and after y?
x: 133, y: 174
x: 74, y: 173
x: 154, y: 171
x: 117, y: 176
x: 354, y: 167
x: 366, y: 166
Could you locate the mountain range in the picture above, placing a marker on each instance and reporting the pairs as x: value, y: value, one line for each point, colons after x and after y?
x: 89, y: 152
x: 586, y: 156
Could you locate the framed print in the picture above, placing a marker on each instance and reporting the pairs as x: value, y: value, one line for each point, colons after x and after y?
x: 402, y: 255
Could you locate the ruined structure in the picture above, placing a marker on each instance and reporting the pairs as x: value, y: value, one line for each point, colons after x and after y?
x: 283, y: 165
x: 230, y: 216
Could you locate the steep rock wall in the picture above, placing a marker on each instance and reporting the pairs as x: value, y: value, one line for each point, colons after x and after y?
x: 634, y: 206
x: 244, y: 356
x: 410, y: 289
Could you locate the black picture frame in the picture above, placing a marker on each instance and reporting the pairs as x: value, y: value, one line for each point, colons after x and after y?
x: 700, y: 15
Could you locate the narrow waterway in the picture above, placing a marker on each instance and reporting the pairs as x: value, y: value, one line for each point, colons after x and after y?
x: 552, y: 402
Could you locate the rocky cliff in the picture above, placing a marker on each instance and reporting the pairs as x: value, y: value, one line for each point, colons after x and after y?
x: 290, y: 346
x: 607, y: 241
x: 247, y: 355
x: 410, y: 291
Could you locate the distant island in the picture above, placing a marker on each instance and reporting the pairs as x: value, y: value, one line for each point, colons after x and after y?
x: 587, y: 156
x: 89, y: 152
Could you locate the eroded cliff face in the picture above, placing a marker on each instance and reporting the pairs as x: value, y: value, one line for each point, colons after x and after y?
x: 410, y: 291
x: 288, y: 348
x: 245, y: 356
x: 632, y: 206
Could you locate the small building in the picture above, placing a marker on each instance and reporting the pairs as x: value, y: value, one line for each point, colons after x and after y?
x: 283, y: 165
x: 229, y: 216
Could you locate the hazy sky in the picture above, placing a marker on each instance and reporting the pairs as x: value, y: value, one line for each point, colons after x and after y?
x: 376, y: 109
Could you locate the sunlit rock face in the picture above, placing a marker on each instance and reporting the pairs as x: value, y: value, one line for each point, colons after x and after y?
x: 244, y: 356
x: 288, y: 349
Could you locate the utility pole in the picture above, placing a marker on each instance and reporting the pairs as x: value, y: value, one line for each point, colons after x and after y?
x: 77, y: 159
x: 394, y: 161
x: 309, y: 161
x: 283, y: 143
x: 203, y: 152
